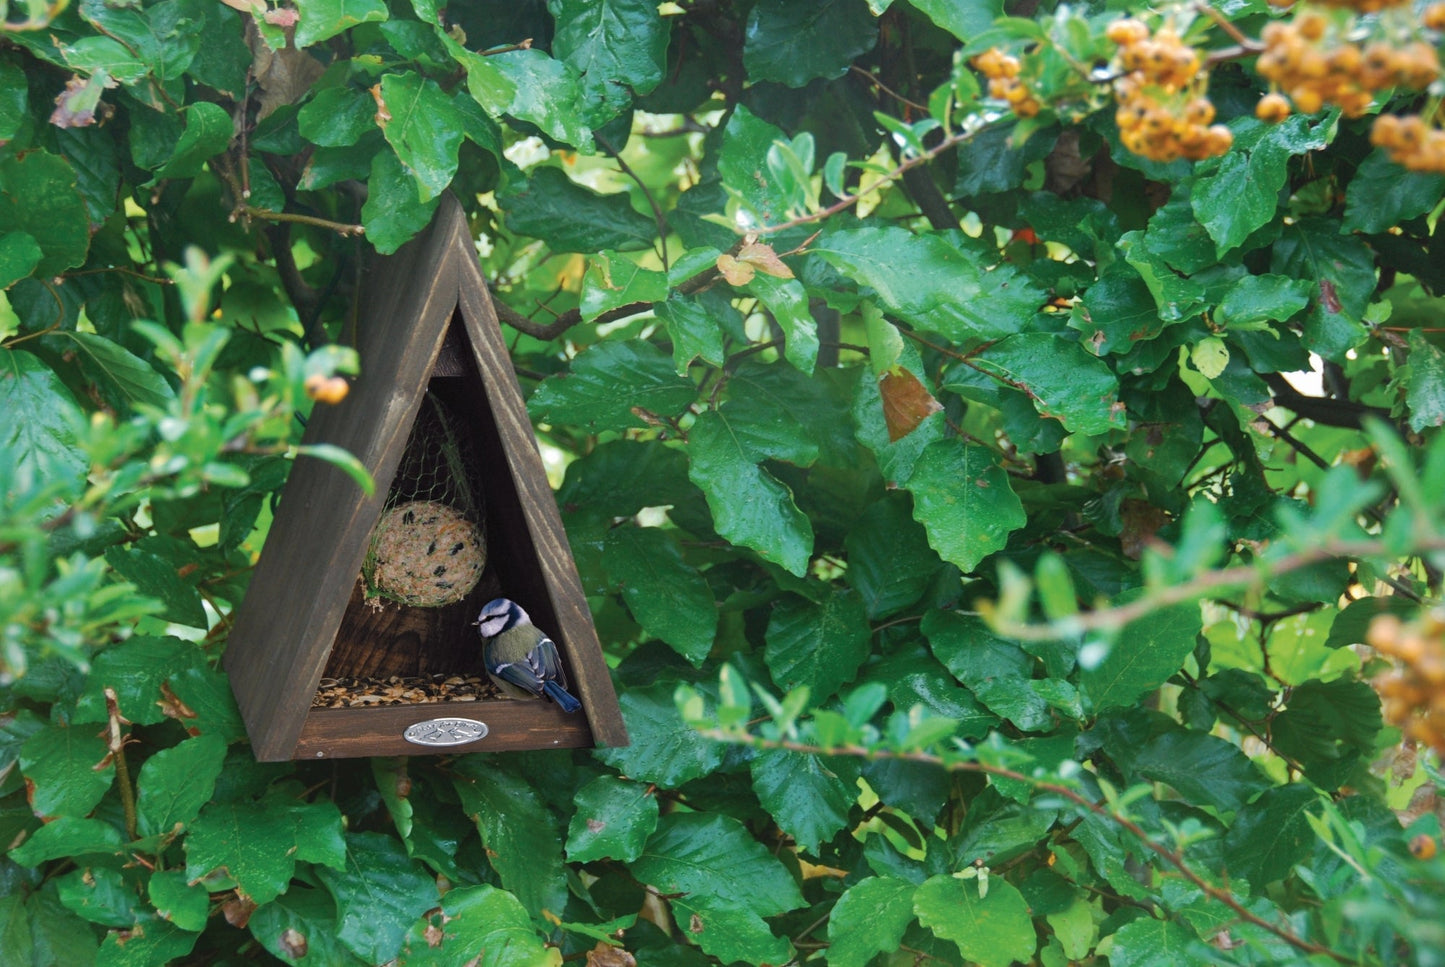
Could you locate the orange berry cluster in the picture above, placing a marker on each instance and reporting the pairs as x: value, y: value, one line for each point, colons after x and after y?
x: 1410, y: 142
x: 1004, y: 84
x: 1413, y: 691
x: 1163, y: 113
x: 327, y: 389
x: 1315, y: 68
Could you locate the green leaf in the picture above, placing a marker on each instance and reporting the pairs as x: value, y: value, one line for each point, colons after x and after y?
x: 1352, y: 623
x: 42, y: 448
x: 1141, y: 657
x: 155, y: 571
x: 869, y: 919
x: 1270, y: 835
x: 571, y: 218
x: 1382, y: 195
x: 103, y: 895
x: 619, y: 47
x: 818, y: 645
x: 184, y: 904
x: 149, y: 944
x: 890, y: 564
x: 728, y: 932
x: 993, y: 930
x: 1064, y: 382
x: 693, y: 331
x: 136, y: 668
x: 965, y: 501
x: 379, y: 893
x: 997, y: 158
x: 38, y: 196
x: 1115, y: 313
x: 476, y: 925
x: 1329, y: 728
x: 67, y: 770
x: 712, y: 855
x: 1262, y: 298
x: 666, y: 595
x: 613, y: 281
x: 965, y: 19
x: 19, y: 254
x: 394, y: 211
x: 530, y: 86
x: 424, y: 129
x: 1175, y: 297
x: 302, y: 918
x: 51, y: 933
x: 68, y: 837
x: 523, y: 845
x: 607, y: 382
x: 999, y: 672
x: 14, y: 97
x: 208, y: 131
x: 1343, y: 270
x: 613, y: 820
x: 783, y: 415
x: 122, y: 376
x: 323, y: 19
x: 932, y: 284
x: 1202, y: 768
x: 258, y: 843
x: 809, y: 796
x: 750, y: 507
x: 664, y: 750
x: 793, y: 43
x: 743, y: 163
x: 1425, y: 385
x: 787, y: 300
x: 338, y: 116
x: 175, y: 783
x: 1147, y: 942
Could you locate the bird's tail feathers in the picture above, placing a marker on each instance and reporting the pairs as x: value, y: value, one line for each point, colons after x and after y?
x: 561, y: 696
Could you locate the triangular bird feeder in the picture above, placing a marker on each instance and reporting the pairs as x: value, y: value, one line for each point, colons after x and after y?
x: 429, y: 338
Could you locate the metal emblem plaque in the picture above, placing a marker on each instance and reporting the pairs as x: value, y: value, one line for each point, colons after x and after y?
x: 444, y: 732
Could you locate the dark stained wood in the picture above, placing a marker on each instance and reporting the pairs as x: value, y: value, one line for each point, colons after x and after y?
x: 427, y: 324
x: 535, y: 521
x: 333, y: 733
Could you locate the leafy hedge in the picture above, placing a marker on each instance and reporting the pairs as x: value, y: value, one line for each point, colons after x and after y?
x: 982, y: 580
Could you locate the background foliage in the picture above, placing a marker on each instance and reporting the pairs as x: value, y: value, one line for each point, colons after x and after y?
x: 979, y: 586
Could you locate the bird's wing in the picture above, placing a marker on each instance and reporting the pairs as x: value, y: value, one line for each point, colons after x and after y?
x: 522, y: 674
x: 548, y: 662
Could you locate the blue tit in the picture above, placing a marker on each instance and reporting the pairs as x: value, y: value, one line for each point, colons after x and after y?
x: 519, y: 657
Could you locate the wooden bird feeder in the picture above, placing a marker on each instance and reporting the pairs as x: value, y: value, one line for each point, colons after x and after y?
x: 428, y: 332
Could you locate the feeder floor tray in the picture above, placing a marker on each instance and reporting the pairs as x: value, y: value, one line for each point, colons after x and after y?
x: 403, y: 690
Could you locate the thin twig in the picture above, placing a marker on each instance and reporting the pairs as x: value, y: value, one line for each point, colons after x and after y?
x: 662, y: 229
x: 848, y: 201
x: 1239, y: 577
x: 873, y: 79
x: 341, y: 228
x: 119, y: 270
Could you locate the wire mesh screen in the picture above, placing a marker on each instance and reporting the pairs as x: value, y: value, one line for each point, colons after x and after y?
x: 428, y: 548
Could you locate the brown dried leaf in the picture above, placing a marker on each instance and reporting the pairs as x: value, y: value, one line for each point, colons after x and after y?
x: 1141, y: 522
x: 238, y: 911
x: 736, y: 273
x: 761, y: 256
x: 606, y: 955
x: 284, y: 75
x: 906, y: 402
x: 76, y: 106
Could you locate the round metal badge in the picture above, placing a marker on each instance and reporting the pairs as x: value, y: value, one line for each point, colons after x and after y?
x: 443, y: 732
